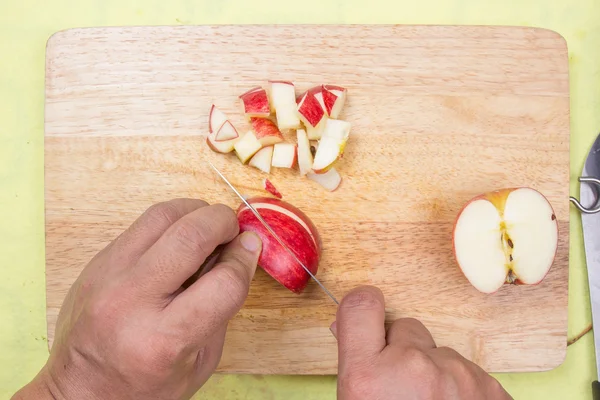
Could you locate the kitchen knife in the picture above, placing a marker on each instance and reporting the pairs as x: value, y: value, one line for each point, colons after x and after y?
x: 266, y: 225
x: 590, y: 220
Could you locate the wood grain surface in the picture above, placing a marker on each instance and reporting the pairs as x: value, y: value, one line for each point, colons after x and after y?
x: 439, y: 115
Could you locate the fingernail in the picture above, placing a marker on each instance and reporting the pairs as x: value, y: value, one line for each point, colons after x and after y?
x: 250, y: 241
x: 333, y: 329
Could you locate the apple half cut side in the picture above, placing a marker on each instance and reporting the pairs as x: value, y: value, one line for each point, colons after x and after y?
x: 266, y: 131
x: 295, y: 229
x: 285, y: 155
x: 506, y: 236
x: 247, y: 146
x: 283, y: 99
x: 330, y: 180
x: 305, y: 157
x: 216, y: 119
x: 262, y: 159
x: 255, y: 103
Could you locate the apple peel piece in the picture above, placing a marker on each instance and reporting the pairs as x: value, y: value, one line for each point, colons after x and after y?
x: 269, y: 187
x: 507, y: 236
x: 295, y: 229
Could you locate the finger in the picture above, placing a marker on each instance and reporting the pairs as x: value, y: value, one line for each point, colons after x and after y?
x: 184, y: 246
x: 409, y: 332
x: 217, y: 296
x: 360, y: 325
x: 150, y: 226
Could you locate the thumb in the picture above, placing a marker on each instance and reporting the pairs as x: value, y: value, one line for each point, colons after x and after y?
x: 217, y: 296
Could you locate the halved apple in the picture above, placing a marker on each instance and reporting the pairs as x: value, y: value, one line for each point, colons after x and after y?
x: 284, y: 155
x: 333, y: 105
x: 247, y: 146
x: 305, y: 157
x: 330, y: 180
x: 255, y: 103
x: 506, y: 236
x: 262, y: 159
x: 266, y: 131
x: 216, y: 119
x: 283, y: 99
x: 226, y: 132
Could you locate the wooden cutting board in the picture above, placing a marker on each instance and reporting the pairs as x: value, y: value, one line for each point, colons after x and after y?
x: 439, y: 115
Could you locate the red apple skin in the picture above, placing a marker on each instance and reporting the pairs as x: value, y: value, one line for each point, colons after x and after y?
x: 264, y: 127
x: 269, y: 187
x: 256, y: 101
x: 329, y: 100
x: 311, y: 109
x: 275, y: 260
x: 498, y: 199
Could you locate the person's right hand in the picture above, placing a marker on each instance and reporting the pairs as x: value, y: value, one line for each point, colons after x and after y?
x: 403, y: 363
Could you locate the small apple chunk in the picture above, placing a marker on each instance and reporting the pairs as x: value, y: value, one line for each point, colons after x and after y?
x: 295, y: 229
x: 266, y: 131
x: 332, y: 144
x: 507, y: 236
x: 333, y: 105
x: 305, y: 157
x: 262, y: 159
x: 312, y: 115
x: 330, y: 180
x: 226, y: 132
x: 283, y: 99
x: 255, y: 103
x: 247, y: 146
x: 216, y: 119
x: 284, y: 155
x: 269, y: 187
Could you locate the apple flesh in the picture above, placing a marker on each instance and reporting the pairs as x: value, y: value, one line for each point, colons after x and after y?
x: 330, y: 180
x: 266, y: 131
x: 216, y: 119
x: 247, y: 146
x: 507, y: 236
x: 262, y: 159
x: 255, y: 103
x: 305, y: 157
x: 295, y: 229
x: 334, y: 98
x: 285, y: 155
x: 331, y: 146
x: 226, y: 132
x: 283, y: 99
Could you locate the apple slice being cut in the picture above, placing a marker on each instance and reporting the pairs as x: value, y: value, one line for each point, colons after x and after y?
x: 247, y: 146
x: 262, y: 159
x: 283, y: 99
x: 305, y: 157
x: 333, y: 105
x: 256, y: 103
x: 284, y: 155
x: 507, y: 236
x: 216, y: 119
x: 226, y: 132
x: 330, y: 180
x: 266, y: 131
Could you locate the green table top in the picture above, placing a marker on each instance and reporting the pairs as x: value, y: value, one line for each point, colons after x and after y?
x: 26, y: 25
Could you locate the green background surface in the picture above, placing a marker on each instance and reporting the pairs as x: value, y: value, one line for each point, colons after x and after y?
x: 25, y: 26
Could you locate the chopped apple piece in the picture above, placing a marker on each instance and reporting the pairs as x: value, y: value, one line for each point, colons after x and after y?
x: 269, y: 187
x: 247, y: 146
x: 284, y: 155
x: 283, y: 99
x: 216, y: 119
x: 305, y: 157
x: 266, y: 131
x: 328, y: 152
x: 334, y: 108
x: 262, y: 159
x: 312, y: 115
x: 256, y: 103
x: 226, y: 132
x: 337, y: 129
x: 221, y: 147
x: 330, y: 180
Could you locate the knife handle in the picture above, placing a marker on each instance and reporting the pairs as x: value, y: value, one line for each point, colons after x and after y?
x: 596, y: 390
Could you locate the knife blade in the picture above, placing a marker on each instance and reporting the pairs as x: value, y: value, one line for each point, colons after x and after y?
x: 588, y: 196
x: 272, y: 232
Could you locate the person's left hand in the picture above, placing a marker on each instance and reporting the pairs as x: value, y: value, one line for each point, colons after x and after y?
x: 128, y: 329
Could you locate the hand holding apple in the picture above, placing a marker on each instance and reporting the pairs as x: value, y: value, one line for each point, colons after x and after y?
x: 128, y: 328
